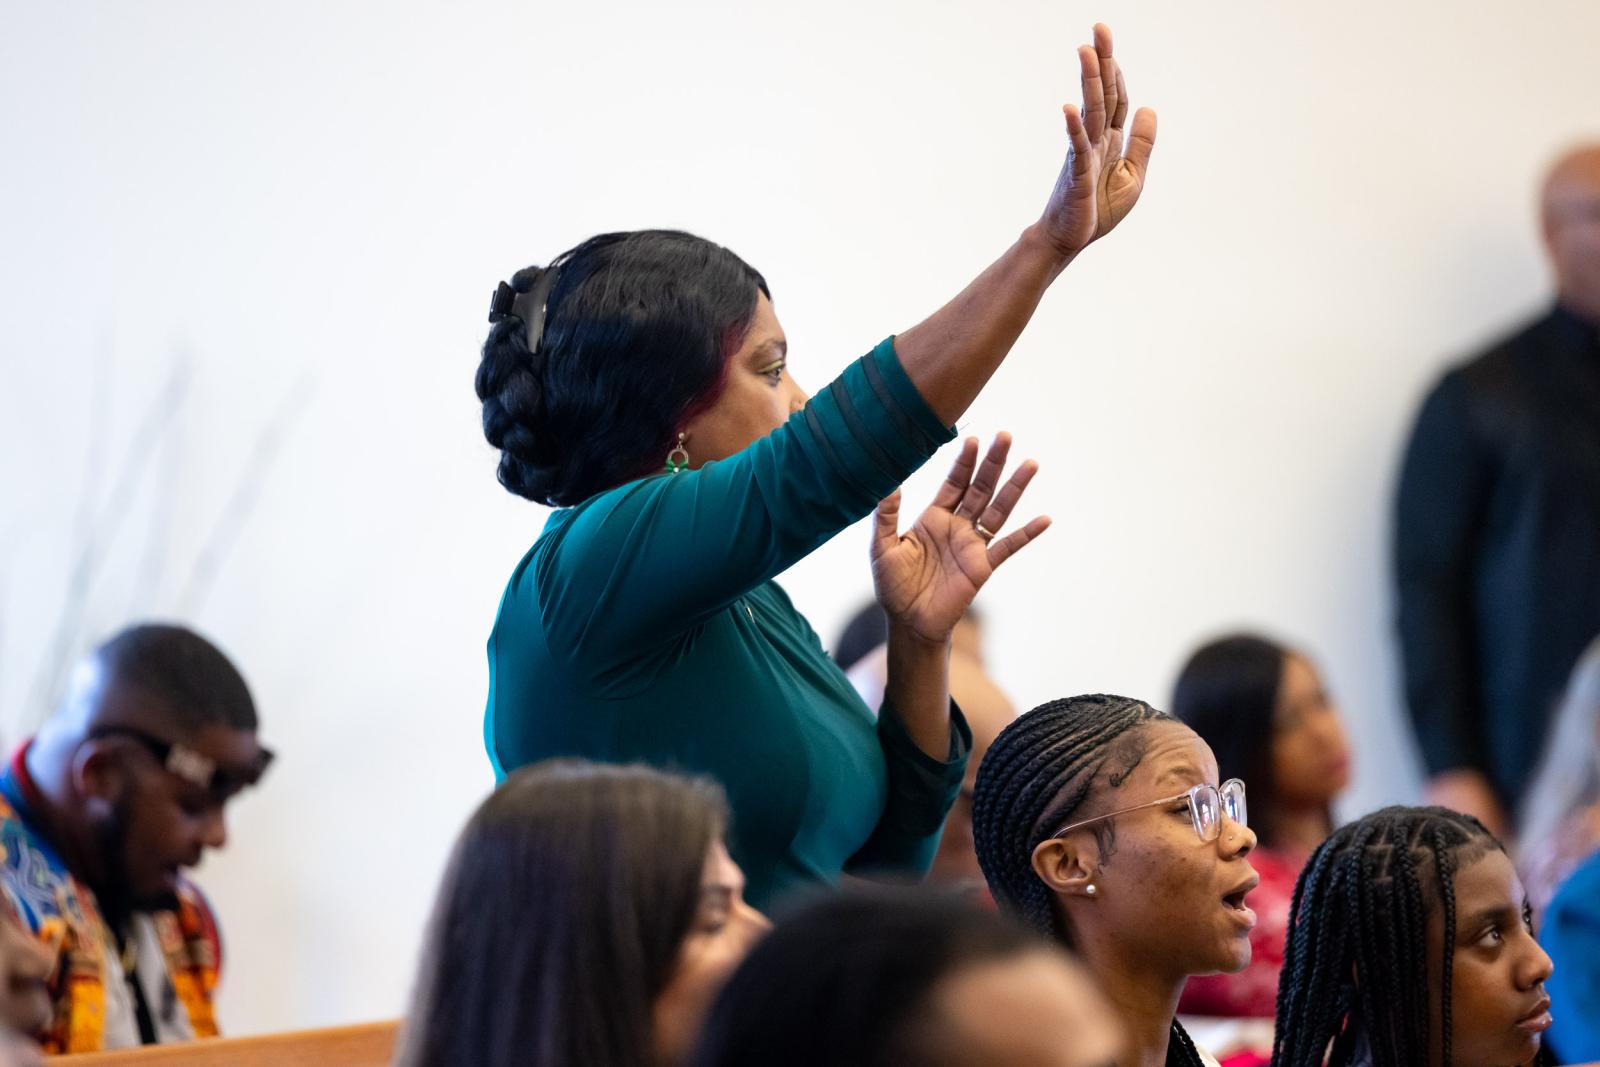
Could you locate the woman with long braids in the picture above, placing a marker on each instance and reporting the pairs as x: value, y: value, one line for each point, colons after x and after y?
x: 1100, y: 822
x: 639, y: 384
x: 1411, y: 944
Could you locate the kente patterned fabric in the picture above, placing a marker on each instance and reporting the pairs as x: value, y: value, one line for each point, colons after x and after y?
x: 62, y: 913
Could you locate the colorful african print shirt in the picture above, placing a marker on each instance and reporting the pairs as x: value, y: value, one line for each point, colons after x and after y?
x: 93, y: 1004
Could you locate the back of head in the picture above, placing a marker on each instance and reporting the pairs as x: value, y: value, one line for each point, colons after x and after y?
x: 867, y: 629
x: 176, y: 669
x: 1038, y: 772
x: 847, y: 979
x: 1357, y: 945
x: 1226, y: 693
x: 560, y: 917
x: 636, y: 334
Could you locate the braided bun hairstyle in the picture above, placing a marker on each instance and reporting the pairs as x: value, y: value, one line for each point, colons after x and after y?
x: 636, y: 338
x: 1034, y: 778
x: 1360, y: 911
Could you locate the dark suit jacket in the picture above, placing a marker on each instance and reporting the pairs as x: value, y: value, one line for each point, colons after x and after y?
x: 1497, y: 547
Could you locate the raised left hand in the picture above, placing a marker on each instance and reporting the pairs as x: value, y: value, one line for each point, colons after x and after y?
x: 927, y: 577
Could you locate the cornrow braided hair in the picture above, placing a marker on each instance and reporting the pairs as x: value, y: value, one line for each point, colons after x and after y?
x: 1355, y: 968
x: 1035, y: 776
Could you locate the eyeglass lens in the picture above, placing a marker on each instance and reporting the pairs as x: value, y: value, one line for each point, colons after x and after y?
x: 1209, y: 803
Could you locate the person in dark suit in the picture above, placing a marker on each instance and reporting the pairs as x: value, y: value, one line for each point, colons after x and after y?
x: 1497, y: 532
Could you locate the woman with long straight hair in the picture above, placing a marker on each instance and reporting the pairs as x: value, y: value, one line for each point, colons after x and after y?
x: 588, y: 914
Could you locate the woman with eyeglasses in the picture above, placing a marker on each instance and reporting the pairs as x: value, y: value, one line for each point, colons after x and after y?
x: 1265, y: 712
x: 1101, y: 822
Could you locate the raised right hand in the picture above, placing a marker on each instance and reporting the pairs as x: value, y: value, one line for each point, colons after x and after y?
x: 1103, y: 176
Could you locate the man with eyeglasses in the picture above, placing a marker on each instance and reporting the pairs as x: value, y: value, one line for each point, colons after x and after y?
x: 122, y: 789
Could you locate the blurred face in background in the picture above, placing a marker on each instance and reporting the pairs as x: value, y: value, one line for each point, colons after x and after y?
x: 1310, y: 755
x: 725, y: 929
x: 1571, y: 214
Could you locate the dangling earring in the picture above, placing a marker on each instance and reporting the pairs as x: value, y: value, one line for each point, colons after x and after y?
x: 678, y: 458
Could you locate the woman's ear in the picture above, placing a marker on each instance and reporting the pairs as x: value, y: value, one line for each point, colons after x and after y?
x: 1068, y: 865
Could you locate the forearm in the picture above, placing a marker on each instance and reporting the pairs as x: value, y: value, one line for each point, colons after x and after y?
x: 918, y: 689
x: 951, y: 355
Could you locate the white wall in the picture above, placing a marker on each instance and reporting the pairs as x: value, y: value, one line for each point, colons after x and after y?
x: 303, y: 207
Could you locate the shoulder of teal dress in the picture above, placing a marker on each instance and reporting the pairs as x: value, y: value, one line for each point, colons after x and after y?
x: 646, y: 561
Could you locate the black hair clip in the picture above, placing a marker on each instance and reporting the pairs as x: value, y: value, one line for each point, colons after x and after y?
x: 529, y: 306
x: 500, y: 303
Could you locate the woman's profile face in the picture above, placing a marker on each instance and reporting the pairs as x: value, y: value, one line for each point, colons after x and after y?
x: 1498, y: 1009
x: 757, y: 397
x: 725, y: 929
x: 1161, y: 893
x: 1310, y: 756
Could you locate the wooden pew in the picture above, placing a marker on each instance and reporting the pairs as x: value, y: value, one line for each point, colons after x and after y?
x: 367, y: 1045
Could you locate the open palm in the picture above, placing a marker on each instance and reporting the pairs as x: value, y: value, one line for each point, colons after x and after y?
x: 927, y: 577
x: 1105, y: 169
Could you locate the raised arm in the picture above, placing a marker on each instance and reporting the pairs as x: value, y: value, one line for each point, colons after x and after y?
x: 950, y: 355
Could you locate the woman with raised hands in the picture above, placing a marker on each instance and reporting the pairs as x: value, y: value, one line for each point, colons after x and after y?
x: 1100, y: 822
x: 639, y: 384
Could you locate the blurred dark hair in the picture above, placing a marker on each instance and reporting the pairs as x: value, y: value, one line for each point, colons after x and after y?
x: 560, y: 918
x: 187, y: 675
x: 866, y: 630
x: 1226, y: 693
x: 847, y: 978
x: 636, y: 341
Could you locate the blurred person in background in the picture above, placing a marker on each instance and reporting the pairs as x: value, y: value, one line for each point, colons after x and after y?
x: 1560, y: 825
x: 589, y: 914
x: 1570, y: 933
x: 904, y: 978
x: 1497, y: 527
x: 124, y: 788
x: 863, y: 655
x: 1265, y: 712
x: 25, y: 1008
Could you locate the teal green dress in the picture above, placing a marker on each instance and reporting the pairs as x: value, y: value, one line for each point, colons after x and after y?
x: 645, y: 625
